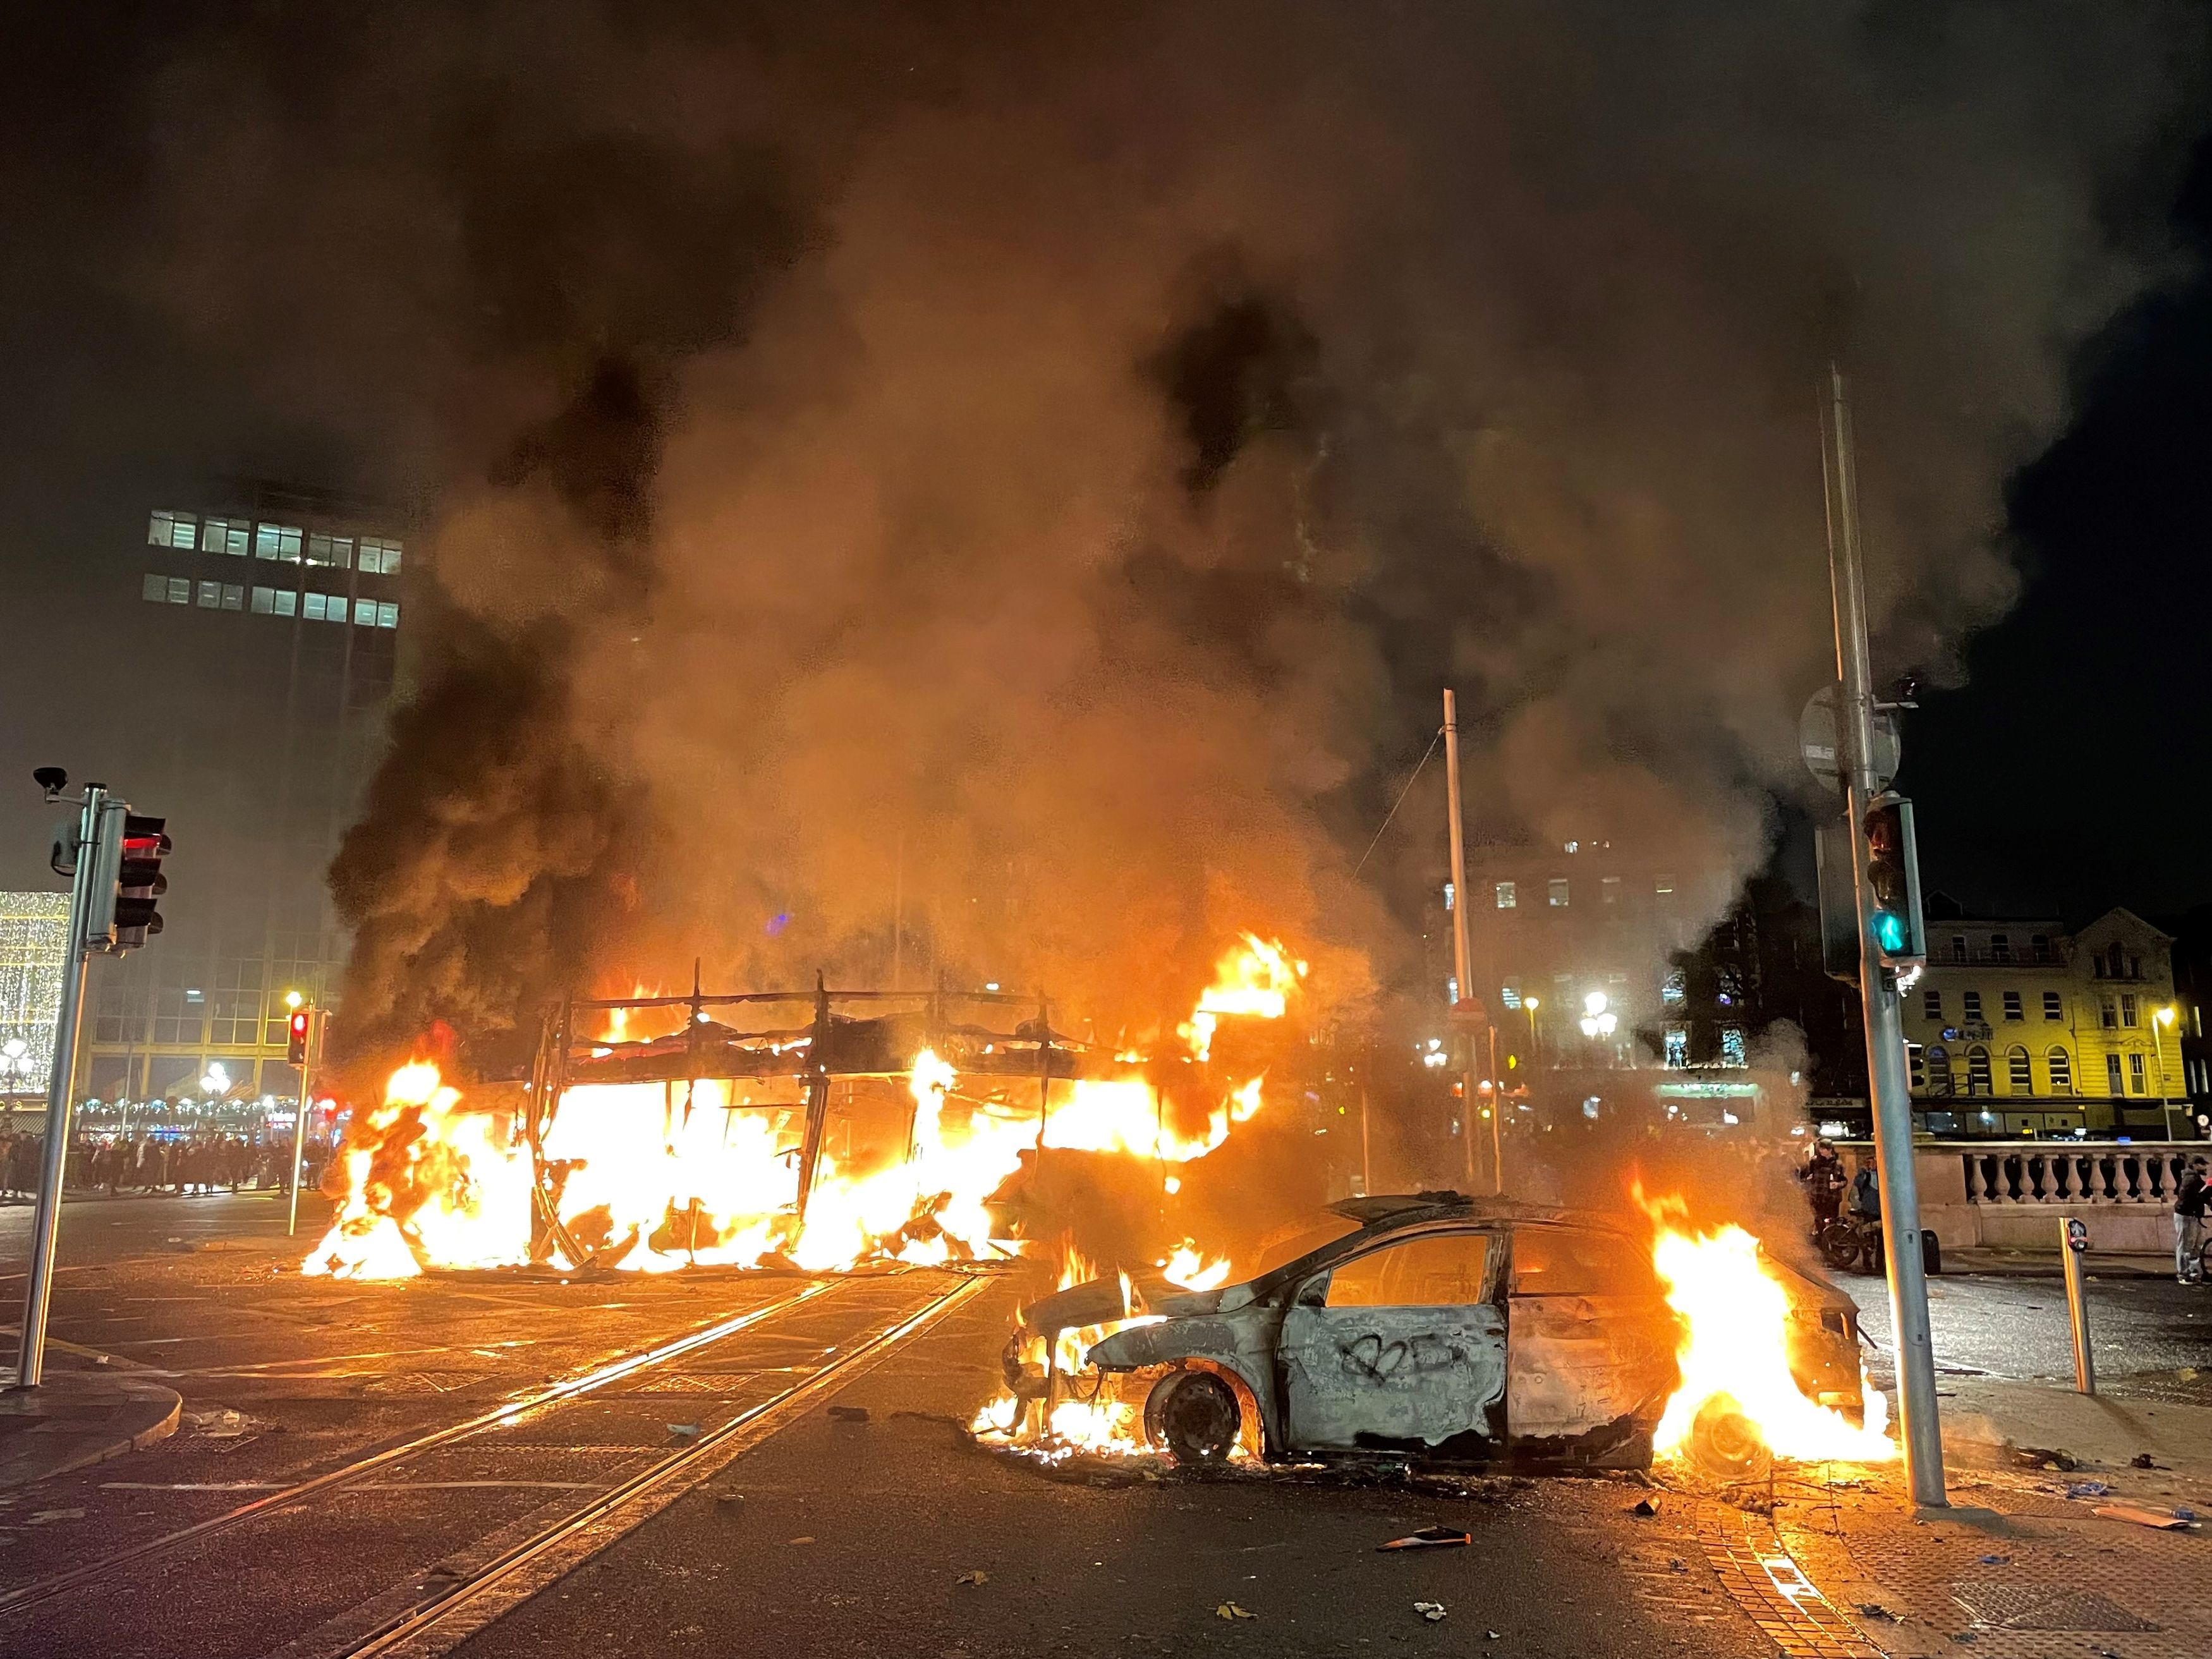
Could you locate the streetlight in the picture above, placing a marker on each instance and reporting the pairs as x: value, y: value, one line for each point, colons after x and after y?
x: 1535, y: 1035
x: 1597, y: 1019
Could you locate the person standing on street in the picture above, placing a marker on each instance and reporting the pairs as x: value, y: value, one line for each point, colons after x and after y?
x: 2189, y: 1224
x: 1824, y: 1178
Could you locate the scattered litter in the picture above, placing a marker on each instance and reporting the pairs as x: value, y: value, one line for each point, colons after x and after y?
x: 730, y: 1502
x: 978, y: 1576
x: 849, y: 1413
x: 2183, y: 1512
x: 1492, y: 1634
x: 1432, y: 1611
x: 2089, y: 1489
x: 2047, y: 1457
x: 803, y: 1538
x: 1428, y: 1537
x: 2162, y: 1519
x: 2144, y: 1461
x: 1675, y: 1563
x: 1875, y: 1610
x: 1644, y: 1506
x: 2186, y: 1374
x: 1231, y: 1610
x: 1996, y: 1560
x: 1964, y: 1636
x: 683, y: 1431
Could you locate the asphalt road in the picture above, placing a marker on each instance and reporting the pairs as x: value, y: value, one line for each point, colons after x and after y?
x: 2150, y: 1334
x: 819, y: 1535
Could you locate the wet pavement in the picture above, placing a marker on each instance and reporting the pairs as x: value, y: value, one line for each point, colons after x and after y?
x: 2152, y: 1337
x: 709, y: 1501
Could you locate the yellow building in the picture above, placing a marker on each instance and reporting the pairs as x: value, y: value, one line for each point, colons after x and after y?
x: 2019, y: 1028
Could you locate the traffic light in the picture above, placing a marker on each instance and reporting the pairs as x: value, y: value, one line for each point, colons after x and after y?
x: 139, y: 883
x: 297, y: 1052
x: 1901, y: 939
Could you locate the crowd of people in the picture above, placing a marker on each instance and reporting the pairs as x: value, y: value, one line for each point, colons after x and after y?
x: 201, y: 1163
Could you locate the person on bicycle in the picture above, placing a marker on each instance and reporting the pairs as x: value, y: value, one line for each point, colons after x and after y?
x: 1824, y: 1179
x: 2189, y: 1205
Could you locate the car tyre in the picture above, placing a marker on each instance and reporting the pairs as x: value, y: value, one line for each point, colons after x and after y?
x: 1195, y: 1414
x: 1727, y: 1445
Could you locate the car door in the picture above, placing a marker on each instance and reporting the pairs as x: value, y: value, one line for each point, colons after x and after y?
x: 1402, y: 1346
x: 1591, y: 1347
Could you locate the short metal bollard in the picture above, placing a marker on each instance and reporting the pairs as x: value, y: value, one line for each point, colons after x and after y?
x: 2073, y: 1237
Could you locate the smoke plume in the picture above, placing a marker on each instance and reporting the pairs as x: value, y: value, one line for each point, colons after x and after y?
x: 998, y: 492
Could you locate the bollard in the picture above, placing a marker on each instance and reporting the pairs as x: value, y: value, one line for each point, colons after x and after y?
x: 2074, y: 1238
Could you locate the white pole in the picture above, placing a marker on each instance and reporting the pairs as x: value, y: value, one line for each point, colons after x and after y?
x: 1921, y: 1431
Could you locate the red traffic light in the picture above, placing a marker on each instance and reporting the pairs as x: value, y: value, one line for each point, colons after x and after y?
x: 298, y: 1051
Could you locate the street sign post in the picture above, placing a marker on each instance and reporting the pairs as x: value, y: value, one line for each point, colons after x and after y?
x: 1821, y: 745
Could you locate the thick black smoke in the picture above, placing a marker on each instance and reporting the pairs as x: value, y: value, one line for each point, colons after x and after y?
x: 990, y: 490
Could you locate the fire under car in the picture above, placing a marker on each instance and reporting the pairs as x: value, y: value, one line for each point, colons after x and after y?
x: 1433, y: 1325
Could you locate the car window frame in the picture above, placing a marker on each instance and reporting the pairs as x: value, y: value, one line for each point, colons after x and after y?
x: 1313, y: 1290
x: 1622, y: 1241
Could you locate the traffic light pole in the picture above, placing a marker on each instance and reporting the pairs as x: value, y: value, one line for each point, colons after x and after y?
x: 61, y: 1087
x: 307, y: 1101
x: 1462, y: 991
x: 1921, y: 1429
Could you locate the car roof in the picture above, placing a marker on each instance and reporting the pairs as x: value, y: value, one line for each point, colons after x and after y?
x: 1382, y: 1211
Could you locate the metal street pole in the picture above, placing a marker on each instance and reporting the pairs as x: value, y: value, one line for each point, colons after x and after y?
x: 2073, y: 1244
x: 1921, y: 1428
x: 1470, y: 1098
x: 61, y: 1087
x: 306, y: 1102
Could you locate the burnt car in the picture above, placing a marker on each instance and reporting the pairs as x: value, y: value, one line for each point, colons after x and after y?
x: 1429, y: 1325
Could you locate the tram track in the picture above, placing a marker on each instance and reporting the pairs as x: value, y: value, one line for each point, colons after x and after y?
x: 505, y: 1415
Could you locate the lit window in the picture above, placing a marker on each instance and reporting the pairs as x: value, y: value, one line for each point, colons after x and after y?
x: 2127, y: 1008
x: 1915, y: 1064
x: 224, y: 535
x: 1973, y: 1002
x: 288, y: 602
x: 1509, y: 995
x: 379, y: 556
x: 1732, y: 1048
x: 233, y: 596
x: 2018, y: 1074
x: 332, y: 551
x: 2012, y: 1005
x: 1678, y: 1047
x: 318, y: 607
x: 210, y: 595
x: 1931, y: 1003
x: 1556, y: 887
x: 364, y: 613
x: 174, y: 530
x: 1939, y: 1070
x: 1507, y: 899
x: 264, y: 601
x: 1675, y: 989
x: 156, y: 590
x: 2062, y: 1072
x: 1609, y: 891
x: 278, y: 541
x: 387, y: 613
x: 181, y: 590
x: 1663, y: 885
x: 2052, y: 1007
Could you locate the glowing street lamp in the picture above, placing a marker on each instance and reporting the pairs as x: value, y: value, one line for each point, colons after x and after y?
x: 1597, y: 1019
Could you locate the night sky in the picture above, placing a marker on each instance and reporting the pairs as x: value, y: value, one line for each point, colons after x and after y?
x: 2073, y: 771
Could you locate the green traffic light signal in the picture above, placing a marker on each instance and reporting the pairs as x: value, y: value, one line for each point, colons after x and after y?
x: 1889, y: 931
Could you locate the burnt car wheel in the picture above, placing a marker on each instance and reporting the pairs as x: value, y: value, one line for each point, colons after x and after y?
x: 1726, y: 1444
x: 1195, y: 1414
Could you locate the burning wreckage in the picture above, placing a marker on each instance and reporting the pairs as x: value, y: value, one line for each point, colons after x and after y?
x: 1446, y: 1328
x: 655, y: 1133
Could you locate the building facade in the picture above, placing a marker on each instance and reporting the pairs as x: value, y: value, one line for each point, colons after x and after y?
x: 2019, y: 1028
x: 270, y: 622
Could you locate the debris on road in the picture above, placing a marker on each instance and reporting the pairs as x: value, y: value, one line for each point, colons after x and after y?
x: 2047, y: 1457
x: 2144, y: 1461
x: 1432, y: 1611
x: 2089, y: 1489
x: 2163, y: 1519
x: 849, y: 1413
x: 1996, y: 1560
x: 1428, y: 1537
x: 1231, y: 1610
x: 803, y: 1538
x: 683, y: 1431
x: 1646, y: 1507
x: 978, y: 1576
x: 1875, y: 1610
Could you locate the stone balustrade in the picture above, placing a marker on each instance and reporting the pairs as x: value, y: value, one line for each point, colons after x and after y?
x: 2013, y: 1195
